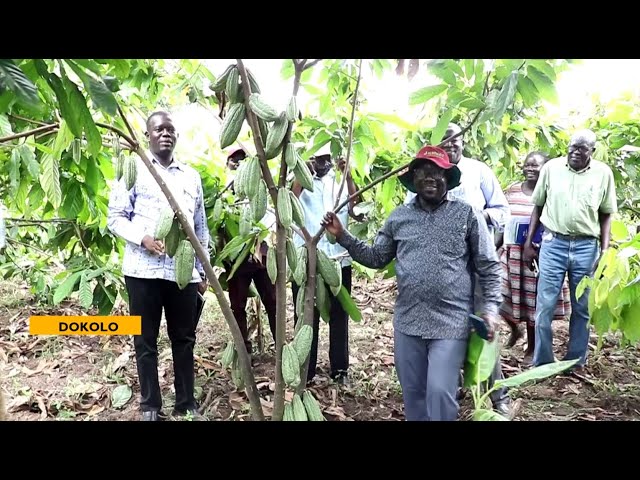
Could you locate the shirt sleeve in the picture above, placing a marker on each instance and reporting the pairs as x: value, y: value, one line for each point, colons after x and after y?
x: 121, y: 208
x: 609, y: 202
x: 497, y: 206
x: 485, y: 263
x: 377, y: 255
x: 539, y: 196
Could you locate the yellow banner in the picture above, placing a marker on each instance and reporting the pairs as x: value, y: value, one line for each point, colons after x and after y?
x: 85, y: 325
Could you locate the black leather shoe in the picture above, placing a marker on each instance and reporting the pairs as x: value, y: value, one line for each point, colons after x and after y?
x: 190, y: 414
x: 341, y: 378
x: 151, y: 416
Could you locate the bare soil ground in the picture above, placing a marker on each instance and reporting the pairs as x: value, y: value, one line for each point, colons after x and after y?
x: 75, y: 377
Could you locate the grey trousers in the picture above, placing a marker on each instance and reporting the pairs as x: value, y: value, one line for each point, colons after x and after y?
x: 429, y: 372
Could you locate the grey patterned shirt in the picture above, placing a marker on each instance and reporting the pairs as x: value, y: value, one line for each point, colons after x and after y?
x: 437, y: 254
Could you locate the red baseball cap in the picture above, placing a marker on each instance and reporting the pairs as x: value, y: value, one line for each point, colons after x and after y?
x: 437, y: 156
x: 232, y: 151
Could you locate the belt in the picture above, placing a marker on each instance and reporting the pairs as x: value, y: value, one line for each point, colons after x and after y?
x: 572, y: 237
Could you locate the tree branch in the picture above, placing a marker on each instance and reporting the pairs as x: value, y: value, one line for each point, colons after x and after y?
x: 36, y: 122
x: 27, y: 133
x: 51, y: 220
x: 311, y: 64
x: 349, y: 144
x: 133, y: 143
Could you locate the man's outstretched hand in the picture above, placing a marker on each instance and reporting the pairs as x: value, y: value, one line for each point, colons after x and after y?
x: 332, y: 224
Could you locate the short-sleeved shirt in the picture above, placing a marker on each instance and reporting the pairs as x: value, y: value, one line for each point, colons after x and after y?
x: 572, y: 199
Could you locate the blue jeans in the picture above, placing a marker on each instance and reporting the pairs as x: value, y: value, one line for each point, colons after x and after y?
x: 429, y: 372
x: 559, y: 256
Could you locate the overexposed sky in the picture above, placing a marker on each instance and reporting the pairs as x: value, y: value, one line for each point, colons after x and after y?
x: 606, y: 78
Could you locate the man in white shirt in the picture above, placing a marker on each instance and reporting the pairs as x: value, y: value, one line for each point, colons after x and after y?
x: 315, y: 205
x: 150, y: 274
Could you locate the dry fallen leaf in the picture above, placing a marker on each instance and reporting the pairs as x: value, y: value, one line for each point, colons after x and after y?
x: 388, y: 360
x: 121, y: 361
x: 42, y: 406
x: 267, y: 407
x: 336, y: 412
x: 96, y: 409
x: 236, y: 400
x: 18, y: 402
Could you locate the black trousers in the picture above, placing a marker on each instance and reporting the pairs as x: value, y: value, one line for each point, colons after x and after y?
x: 338, y: 331
x: 147, y: 298
x: 238, y: 287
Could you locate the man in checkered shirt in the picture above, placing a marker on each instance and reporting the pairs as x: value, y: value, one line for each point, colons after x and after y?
x: 150, y: 274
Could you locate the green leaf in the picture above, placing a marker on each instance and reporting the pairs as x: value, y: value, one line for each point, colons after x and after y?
x: 349, y: 305
x: 455, y: 67
x: 474, y: 349
x: 14, y: 169
x: 120, y: 396
x: 425, y: 94
x: 582, y: 286
x: 487, y: 360
x: 233, y: 248
x: 92, y: 176
x: 630, y: 323
x: 543, y: 84
x: 469, y: 68
x: 619, y: 231
x: 50, y: 179
x: 505, y: 97
x: 438, y: 68
x: 100, y: 94
x: 79, y: 105
x: 471, y: 103
x: 393, y: 119
x: 601, y: 319
x: 536, y: 373
x: 73, y: 200
x: 15, y: 79
x: 29, y: 161
x: 68, y: 114
x: 5, y: 126
x: 287, y: 70
x: 240, y: 258
x: 441, y: 127
x: 85, y: 292
x: 528, y: 90
x: 484, y: 415
x: 64, y: 137
x: 89, y: 65
x: 66, y: 287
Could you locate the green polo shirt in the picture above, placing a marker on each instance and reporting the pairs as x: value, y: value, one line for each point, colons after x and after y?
x: 573, y: 199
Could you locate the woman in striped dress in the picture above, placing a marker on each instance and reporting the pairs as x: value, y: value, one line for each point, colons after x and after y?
x: 519, y: 283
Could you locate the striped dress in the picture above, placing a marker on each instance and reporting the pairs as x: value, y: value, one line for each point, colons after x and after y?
x: 519, y: 305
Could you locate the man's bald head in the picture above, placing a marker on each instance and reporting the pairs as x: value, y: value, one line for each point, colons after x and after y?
x: 584, y: 136
x: 453, y: 147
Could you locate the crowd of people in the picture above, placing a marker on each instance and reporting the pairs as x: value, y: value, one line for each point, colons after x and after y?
x: 461, y: 244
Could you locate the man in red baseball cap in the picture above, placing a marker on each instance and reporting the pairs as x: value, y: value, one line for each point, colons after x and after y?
x: 439, y: 246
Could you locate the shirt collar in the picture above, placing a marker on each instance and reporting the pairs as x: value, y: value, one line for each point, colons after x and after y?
x: 174, y: 162
x: 588, y: 167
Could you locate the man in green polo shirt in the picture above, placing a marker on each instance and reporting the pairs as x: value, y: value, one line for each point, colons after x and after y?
x: 575, y: 198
